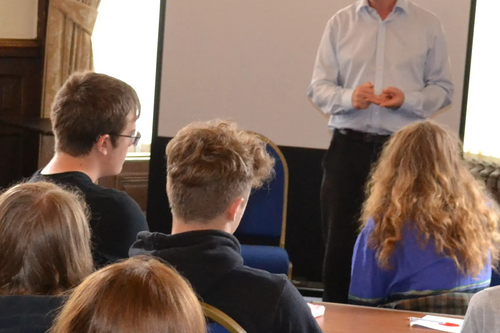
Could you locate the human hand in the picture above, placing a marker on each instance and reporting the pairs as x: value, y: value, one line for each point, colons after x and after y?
x: 364, y: 95
x: 392, y: 98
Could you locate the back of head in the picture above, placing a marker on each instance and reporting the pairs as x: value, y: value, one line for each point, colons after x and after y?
x: 45, y: 240
x: 88, y: 106
x: 421, y: 178
x: 137, y: 295
x: 209, y: 165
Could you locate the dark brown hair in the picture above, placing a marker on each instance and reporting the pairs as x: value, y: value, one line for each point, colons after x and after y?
x: 210, y: 164
x: 45, y: 240
x: 137, y: 295
x: 90, y: 105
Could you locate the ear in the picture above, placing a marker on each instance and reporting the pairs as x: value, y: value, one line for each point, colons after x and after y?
x: 103, y: 144
x: 168, y: 185
x: 233, y: 211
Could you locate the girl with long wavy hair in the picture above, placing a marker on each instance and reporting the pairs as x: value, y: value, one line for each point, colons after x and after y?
x: 428, y: 226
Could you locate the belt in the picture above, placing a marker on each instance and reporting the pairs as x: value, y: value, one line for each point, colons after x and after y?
x: 361, y: 136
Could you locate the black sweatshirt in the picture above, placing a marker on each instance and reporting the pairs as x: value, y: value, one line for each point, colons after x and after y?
x: 210, y: 260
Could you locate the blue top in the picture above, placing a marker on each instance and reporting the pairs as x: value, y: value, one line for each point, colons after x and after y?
x: 415, y: 272
x: 407, y: 50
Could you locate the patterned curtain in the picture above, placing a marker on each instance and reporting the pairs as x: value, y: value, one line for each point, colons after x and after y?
x: 68, y: 46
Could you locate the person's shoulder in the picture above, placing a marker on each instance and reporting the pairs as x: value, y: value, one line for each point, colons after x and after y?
x: 101, y: 198
x: 261, y: 275
x: 349, y: 9
x: 111, y: 193
x: 345, y: 12
x: 277, y: 287
x: 64, y: 179
x: 489, y: 297
x: 114, y: 197
x: 369, y: 226
x: 260, y: 279
x: 423, y: 14
x: 73, y: 181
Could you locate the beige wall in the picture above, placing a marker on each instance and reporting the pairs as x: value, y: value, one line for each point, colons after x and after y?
x: 18, y: 19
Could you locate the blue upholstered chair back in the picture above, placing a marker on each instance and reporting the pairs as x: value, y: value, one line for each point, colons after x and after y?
x: 265, y: 215
x: 495, y: 279
x: 216, y: 328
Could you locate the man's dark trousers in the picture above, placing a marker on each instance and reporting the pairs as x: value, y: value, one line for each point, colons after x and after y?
x: 346, y: 167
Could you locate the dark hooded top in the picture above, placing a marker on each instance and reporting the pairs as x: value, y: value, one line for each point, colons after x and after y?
x: 210, y: 260
x: 28, y: 314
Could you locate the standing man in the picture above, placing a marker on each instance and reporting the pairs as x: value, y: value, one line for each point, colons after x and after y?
x: 381, y: 65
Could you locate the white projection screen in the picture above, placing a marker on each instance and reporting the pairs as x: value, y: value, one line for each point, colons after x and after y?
x: 251, y: 61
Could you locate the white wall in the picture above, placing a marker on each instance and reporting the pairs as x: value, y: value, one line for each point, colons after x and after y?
x: 252, y: 61
x: 483, y: 113
x: 18, y: 19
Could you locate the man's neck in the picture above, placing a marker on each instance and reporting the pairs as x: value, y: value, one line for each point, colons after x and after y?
x: 180, y: 226
x: 62, y: 162
x: 383, y: 7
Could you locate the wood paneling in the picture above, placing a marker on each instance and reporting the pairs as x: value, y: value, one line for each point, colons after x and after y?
x: 20, y: 86
x: 21, y: 70
x: 46, y: 150
x: 21, y: 77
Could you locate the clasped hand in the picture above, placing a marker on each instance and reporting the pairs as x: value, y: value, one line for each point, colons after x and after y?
x: 364, y: 95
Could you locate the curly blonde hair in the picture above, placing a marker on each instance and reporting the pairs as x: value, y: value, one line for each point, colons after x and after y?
x: 421, y: 179
x: 210, y: 164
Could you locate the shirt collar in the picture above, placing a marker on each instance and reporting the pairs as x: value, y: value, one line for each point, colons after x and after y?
x: 361, y: 4
x: 403, y: 4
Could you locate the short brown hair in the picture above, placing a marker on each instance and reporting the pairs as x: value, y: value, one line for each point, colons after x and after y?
x: 45, y: 240
x: 90, y: 105
x: 137, y: 295
x: 210, y: 164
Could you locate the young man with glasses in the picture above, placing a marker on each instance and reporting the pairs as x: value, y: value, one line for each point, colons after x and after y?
x: 93, y: 120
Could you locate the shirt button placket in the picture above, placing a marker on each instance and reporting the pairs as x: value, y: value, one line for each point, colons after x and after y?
x: 379, y: 71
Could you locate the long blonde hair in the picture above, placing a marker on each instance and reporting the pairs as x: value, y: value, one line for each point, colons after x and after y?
x: 421, y: 180
x: 137, y: 295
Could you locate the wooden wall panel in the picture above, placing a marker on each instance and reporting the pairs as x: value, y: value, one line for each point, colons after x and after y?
x: 10, y: 145
x: 21, y: 70
x: 21, y: 79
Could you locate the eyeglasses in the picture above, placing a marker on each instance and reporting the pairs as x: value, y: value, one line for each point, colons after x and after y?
x: 136, y: 137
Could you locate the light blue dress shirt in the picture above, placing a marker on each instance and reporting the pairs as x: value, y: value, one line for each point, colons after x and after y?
x: 407, y: 50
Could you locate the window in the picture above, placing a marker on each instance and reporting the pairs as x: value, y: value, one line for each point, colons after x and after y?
x: 482, y: 129
x: 125, y: 42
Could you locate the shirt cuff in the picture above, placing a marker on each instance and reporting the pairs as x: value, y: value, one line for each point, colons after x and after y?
x: 347, y: 99
x: 410, y: 103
